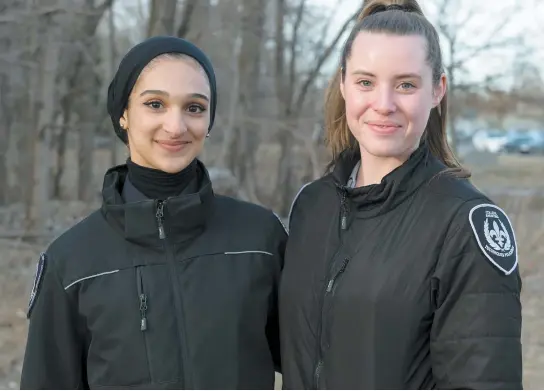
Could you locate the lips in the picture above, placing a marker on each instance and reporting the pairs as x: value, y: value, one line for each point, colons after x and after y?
x: 384, y: 127
x: 173, y: 145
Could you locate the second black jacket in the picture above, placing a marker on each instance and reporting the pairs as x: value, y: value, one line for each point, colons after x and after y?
x: 411, y: 283
x: 146, y: 294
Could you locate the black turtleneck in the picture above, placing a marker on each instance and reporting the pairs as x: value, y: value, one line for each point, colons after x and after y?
x: 159, y: 185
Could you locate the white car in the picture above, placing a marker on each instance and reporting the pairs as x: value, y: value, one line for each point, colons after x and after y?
x: 489, y: 140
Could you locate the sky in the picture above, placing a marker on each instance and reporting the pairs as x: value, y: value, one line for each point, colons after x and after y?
x: 481, y: 18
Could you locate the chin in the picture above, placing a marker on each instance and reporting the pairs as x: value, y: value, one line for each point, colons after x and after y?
x: 385, y: 149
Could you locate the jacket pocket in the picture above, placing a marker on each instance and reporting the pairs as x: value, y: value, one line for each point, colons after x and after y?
x: 144, y: 303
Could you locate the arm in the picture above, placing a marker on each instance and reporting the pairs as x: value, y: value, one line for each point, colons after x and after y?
x: 54, y: 351
x: 272, y: 327
x: 476, y: 331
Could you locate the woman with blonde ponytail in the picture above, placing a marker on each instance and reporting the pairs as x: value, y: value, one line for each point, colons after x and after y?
x: 399, y: 274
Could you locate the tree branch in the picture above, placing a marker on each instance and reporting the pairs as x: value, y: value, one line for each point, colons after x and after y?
x: 188, y: 11
x: 293, y: 55
x: 321, y: 60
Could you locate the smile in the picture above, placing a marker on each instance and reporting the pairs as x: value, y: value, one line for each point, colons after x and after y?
x: 383, y: 128
x: 173, y: 146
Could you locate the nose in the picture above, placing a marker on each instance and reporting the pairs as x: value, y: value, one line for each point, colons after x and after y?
x: 384, y: 102
x: 175, y: 123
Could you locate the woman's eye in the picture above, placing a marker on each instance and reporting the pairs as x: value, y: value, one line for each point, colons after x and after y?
x: 365, y: 83
x: 155, y: 105
x: 196, y: 109
x: 407, y: 86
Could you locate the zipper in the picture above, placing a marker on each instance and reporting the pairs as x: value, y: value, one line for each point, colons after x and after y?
x: 343, y: 209
x: 330, y: 285
x: 142, y: 297
x: 143, y: 300
x: 175, y: 286
x: 160, y: 217
x: 329, y: 290
x: 342, y: 269
x: 317, y: 373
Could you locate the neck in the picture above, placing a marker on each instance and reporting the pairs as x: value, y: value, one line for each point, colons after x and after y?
x: 157, y: 184
x: 374, y: 168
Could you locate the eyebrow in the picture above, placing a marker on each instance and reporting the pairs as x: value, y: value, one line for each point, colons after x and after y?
x: 164, y: 93
x: 400, y: 76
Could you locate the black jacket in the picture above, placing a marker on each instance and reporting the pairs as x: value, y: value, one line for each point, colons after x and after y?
x: 410, y: 283
x: 143, y: 294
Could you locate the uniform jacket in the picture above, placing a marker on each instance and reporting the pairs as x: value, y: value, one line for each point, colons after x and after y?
x: 147, y: 294
x: 408, y: 284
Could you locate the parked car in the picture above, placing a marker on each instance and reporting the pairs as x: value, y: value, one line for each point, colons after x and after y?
x: 525, y: 143
x: 489, y: 140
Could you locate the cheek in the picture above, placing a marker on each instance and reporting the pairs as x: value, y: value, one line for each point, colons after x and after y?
x: 198, y: 127
x: 356, y: 102
x: 417, y: 111
x: 142, y: 123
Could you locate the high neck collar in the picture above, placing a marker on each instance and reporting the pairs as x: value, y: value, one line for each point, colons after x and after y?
x: 185, y: 214
x: 393, y: 189
x: 160, y: 185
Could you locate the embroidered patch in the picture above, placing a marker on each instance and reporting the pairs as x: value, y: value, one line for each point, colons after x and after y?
x: 495, y: 236
x: 40, y: 270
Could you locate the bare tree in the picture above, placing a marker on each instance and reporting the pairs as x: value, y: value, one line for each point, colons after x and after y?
x: 288, y: 77
x: 161, y: 17
x: 458, y: 25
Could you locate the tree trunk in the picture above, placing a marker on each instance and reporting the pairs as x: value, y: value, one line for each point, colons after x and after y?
x: 161, y: 17
x: 45, y: 126
x: 5, y: 126
x: 113, y: 65
x: 85, y: 155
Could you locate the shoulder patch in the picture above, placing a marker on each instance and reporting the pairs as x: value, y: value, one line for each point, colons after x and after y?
x: 495, y: 236
x: 40, y: 270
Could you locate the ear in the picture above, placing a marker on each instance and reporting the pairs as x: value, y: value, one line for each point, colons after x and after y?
x: 123, y: 121
x: 440, y: 90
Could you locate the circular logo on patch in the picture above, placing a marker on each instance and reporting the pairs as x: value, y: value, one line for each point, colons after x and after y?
x: 498, y: 238
x: 495, y: 236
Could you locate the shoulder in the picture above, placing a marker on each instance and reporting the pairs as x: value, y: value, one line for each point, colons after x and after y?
x: 69, y: 253
x: 476, y: 223
x: 76, y: 236
x: 309, y: 194
x: 480, y: 230
x: 245, y: 213
x: 455, y: 190
x: 58, y: 260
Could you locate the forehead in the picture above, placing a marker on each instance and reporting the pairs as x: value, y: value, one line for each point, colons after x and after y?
x: 173, y: 75
x: 386, y: 53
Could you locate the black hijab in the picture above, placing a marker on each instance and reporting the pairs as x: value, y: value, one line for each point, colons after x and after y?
x: 135, y: 61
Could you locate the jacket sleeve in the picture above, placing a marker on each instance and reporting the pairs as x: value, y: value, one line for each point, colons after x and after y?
x: 476, y: 330
x: 54, y: 353
x: 273, y: 327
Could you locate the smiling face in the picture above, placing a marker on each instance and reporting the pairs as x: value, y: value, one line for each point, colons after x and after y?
x: 167, y: 117
x: 389, y: 92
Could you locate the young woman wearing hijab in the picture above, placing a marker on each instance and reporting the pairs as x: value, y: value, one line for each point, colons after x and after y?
x: 399, y: 274
x: 168, y: 285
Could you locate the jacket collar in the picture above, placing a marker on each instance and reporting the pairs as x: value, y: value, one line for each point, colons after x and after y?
x: 395, y: 187
x: 135, y: 216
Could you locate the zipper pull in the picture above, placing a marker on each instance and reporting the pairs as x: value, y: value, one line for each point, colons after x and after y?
x: 143, y: 309
x: 343, y: 208
x: 159, y: 215
x: 317, y: 373
x: 333, y: 280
